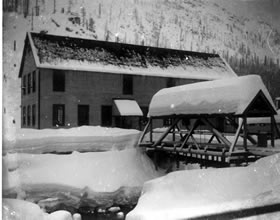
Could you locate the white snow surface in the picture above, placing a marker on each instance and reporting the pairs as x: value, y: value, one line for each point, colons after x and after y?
x: 95, y: 171
x: 194, y: 193
x: 82, y: 139
x: 15, y: 209
x: 211, y: 97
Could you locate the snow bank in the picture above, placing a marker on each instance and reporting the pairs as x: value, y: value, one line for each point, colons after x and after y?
x: 82, y: 139
x: 96, y: 178
x: 224, y: 96
x: 194, y: 193
x: 15, y: 209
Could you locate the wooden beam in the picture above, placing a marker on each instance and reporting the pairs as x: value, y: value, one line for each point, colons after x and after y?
x: 188, y: 135
x: 249, y: 137
x: 216, y: 132
x: 144, y: 132
x: 236, y: 136
x: 245, y: 132
x: 272, y: 125
x: 166, y: 132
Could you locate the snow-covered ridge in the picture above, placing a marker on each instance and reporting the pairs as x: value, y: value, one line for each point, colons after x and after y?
x: 82, y: 139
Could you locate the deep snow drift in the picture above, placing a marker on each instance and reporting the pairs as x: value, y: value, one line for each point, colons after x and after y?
x: 14, y: 209
x: 79, y: 179
x: 82, y: 139
x: 187, y: 194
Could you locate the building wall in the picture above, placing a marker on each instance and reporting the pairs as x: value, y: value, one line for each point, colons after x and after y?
x: 95, y: 90
x: 29, y: 99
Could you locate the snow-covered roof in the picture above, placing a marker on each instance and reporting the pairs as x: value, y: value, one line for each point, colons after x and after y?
x: 240, y: 95
x: 60, y: 52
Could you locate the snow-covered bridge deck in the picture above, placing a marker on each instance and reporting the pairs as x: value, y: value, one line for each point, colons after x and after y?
x: 198, y: 110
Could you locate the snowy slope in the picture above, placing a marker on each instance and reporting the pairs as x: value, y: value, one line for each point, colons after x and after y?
x: 195, y: 193
x: 245, y: 33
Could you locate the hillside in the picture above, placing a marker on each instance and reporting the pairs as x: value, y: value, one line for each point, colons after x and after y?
x: 245, y: 32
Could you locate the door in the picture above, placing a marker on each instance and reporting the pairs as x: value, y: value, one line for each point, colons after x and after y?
x: 83, y: 115
x: 106, y: 115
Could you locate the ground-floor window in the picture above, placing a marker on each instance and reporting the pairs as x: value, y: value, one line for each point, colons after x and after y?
x: 24, y: 116
x: 58, y: 115
x: 106, y: 115
x: 28, y: 115
x: 33, y: 115
x: 83, y: 115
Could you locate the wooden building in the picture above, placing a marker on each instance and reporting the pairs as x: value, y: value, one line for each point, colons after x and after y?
x: 69, y: 82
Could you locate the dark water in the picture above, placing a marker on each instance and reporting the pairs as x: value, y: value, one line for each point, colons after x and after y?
x: 94, y: 215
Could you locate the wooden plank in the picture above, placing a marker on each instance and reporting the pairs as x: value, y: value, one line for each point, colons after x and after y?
x: 236, y: 136
x: 245, y: 132
x: 166, y: 132
x: 188, y: 135
x: 144, y: 132
x: 272, y: 125
x: 216, y: 132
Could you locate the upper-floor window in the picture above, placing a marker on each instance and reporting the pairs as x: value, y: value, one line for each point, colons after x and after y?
x: 58, y: 115
x: 127, y: 85
x: 170, y: 82
x: 58, y: 81
x: 28, y: 83
x: 34, y: 81
x: 24, y: 85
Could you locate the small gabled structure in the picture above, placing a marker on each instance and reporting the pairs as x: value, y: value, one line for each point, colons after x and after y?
x: 233, y: 100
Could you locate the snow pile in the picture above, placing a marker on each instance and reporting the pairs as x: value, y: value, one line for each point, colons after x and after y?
x: 225, y: 96
x: 94, y: 179
x: 14, y: 209
x: 82, y: 139
x: 195, y: 193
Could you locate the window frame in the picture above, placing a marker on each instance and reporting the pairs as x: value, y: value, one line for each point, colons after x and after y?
x: 28, y: 83
x: 55, y: 115
x: 58, y: 78
x: 127, y: 85
x: 24, y: 116
x: 28, y: 115
x: 34, y: 81
x: 24, y: 90
x: 33, y: 110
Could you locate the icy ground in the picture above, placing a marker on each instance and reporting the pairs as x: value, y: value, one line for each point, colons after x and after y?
x: 196, y: 193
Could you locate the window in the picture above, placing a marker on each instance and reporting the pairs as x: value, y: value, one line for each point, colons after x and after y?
x: 34, y: 81
x: 83, y: 115
x: 24, y: 85
x: 127, y: 85
x: 167, y: 122
x: 28, y: 83
x: 106, y: 115
x: 28, y: 115
x: 170, y: 82
x: 58, y: 81
x: 58, y: 115
x: 33, y: 115
x: 24, y: 116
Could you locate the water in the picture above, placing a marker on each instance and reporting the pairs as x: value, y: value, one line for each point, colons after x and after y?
x: 90, y: 215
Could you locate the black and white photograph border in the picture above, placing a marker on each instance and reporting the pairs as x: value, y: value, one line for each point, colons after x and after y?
x: 140, y: 109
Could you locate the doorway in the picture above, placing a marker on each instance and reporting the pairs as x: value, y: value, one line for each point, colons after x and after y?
x: 83, y: 115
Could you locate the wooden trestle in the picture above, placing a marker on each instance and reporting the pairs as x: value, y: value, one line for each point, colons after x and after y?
x: 180, y: 140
